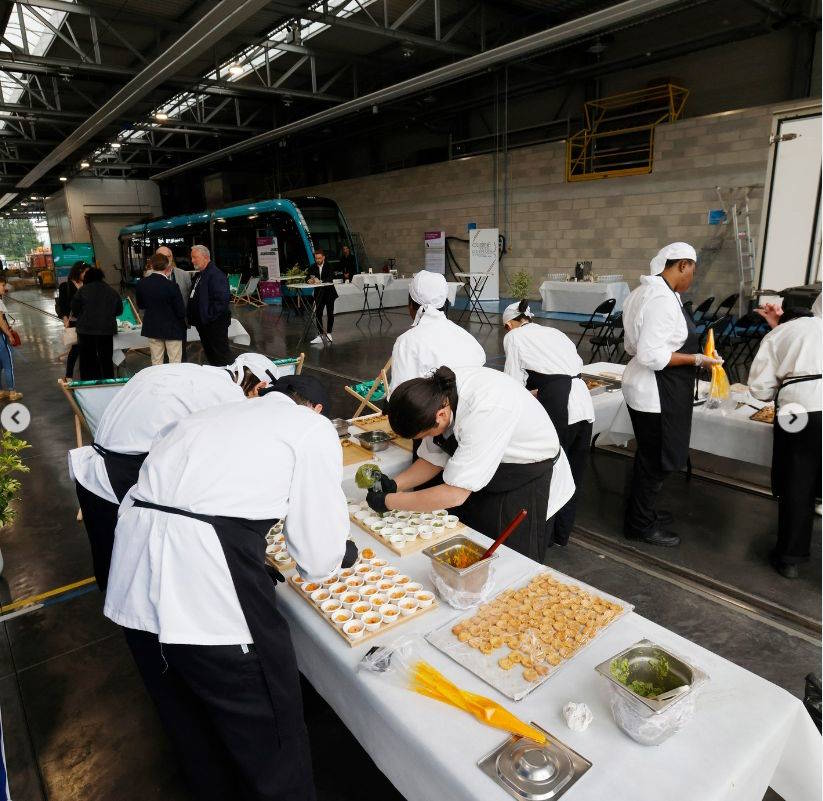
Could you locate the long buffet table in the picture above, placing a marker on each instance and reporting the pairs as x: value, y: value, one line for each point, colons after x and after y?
x: 395, y: 293
x: 747, y: 733
x: 581, y: 297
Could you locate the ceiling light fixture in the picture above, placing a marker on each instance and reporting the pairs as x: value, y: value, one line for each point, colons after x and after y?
x: 235, y: 69
x: 161, y: 116
x: 84, y: 165
x: 115, y: 145
x: 63, y: 178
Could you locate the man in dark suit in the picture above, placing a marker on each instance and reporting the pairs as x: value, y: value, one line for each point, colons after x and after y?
x: 164, y: 314
x: 348, y: 263
x: 209, y: 307
x: 324, y: 296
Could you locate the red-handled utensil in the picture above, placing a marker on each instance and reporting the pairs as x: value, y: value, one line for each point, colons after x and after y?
x: 521, y: 516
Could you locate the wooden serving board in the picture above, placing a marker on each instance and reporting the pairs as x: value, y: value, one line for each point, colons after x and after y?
x: 414, y: 547
x: 281, y: 566
x: 354, y: 452
x: 367, y: 635
x: 380, y: 422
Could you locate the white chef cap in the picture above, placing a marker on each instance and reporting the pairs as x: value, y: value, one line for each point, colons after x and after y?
x: 676, y: 250
x: 259, y: 364
x: 512, y: 311
x: 429, y: 290
x: 817, y: 306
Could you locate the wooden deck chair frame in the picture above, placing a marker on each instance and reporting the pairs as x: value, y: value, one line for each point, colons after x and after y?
x: 298, y: 362
x: 252, y: 298
x: 134, y: 311
x: 382, y: 378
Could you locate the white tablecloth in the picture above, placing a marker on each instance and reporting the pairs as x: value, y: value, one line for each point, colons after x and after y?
x: 581, y: 297
x: 731, y: 434
x: 134, y: 339
x: 747, y: 733
x: 395, y: 292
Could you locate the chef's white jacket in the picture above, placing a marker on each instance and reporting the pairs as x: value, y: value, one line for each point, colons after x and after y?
x: 258, y: 459
x: 790, y: 350
x: 548, y: 351
x: 433, y: 342
x: 498, y: 420
x: 654, y: 328
x: 152, y: 399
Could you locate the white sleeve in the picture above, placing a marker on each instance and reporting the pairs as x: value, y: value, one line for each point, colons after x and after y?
x: 432, y: 453
x: 403, y: 366
x: 317, y: 523
x: 763, y: 379
x: 483, y: 442
x: 653, y: 348
x: 514, y: 366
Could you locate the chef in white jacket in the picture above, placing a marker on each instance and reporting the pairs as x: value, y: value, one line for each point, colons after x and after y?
x: 189, y: 584
x: 658, y: 385
x: 546, y: 362
x: 156, y: 396
x: 787, y: 369
x: 494, y: 445
x: 433, y: 340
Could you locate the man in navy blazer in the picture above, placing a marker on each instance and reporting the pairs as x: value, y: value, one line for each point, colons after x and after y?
x: 164, y: 314
x: 209, y: 307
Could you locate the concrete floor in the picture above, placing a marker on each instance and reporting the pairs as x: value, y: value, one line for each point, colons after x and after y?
x: 77, y: 722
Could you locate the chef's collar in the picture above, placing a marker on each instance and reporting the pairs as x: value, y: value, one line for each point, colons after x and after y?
x: 676, y: 250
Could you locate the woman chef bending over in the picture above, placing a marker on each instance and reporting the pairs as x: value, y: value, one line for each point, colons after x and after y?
x: 546, y: 362
x: 658, y: 384
x: 189, y: 585
x: 494, y: 445
x: 787, y: 369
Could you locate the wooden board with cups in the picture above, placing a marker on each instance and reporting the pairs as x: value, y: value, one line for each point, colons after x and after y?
x: 365, y: 600
x: 277, y: 555
x: 410, y: 532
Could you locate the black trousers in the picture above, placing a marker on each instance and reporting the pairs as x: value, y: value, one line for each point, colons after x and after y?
x: 95, y: 351
x: 648, y: 475
x: 796, y: 474
x: 576, y: 441
x: 324, y: 300
x: 71, y: 360
x: 216, y: 709
x: 100, y: 520
x: 214, y: 337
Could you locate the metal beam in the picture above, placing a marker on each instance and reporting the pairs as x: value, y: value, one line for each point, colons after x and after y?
x: 407, y: 13
x: 528, y: 45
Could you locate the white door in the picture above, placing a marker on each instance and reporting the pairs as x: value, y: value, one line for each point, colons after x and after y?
x: 790, y: 237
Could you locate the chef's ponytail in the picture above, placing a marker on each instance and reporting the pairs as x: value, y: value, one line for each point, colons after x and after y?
x: 414, y: 404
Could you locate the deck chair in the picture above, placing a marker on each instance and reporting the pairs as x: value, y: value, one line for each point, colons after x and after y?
x: 290, y: 366
x: 250, y: 293
x: 368, y: 392
x: 234, y: 286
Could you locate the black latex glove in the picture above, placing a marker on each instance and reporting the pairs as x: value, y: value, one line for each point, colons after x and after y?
x: 377, y: 501
x: 351, y: 554
x: 387, y: 484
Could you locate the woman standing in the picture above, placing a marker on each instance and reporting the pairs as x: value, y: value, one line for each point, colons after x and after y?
x: 495, y: 447
x: 658, y: 384
x: 65, y: 294
x: 546, y: 362
x: 96, y: 307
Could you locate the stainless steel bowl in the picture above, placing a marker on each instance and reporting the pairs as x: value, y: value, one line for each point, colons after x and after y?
x: 374, y: 440
x: 341, y: 426
x: 470, y: 579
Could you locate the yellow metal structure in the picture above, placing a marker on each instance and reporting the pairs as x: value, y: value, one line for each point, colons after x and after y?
x: 619, y: 134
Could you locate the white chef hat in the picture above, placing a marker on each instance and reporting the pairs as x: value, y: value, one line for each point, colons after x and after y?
x: 817, y: 306
x: 512, y: 311
x: 259, y: 364
x: 676, y: 250
x: 429, y: 290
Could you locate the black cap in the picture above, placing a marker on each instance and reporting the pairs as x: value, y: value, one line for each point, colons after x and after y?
x: 306, y: 386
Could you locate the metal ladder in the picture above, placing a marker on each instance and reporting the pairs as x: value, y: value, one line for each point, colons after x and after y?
x: 744, y: 242
x: 360, y: 252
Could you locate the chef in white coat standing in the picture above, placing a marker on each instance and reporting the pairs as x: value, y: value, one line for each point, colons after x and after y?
x: 787, y: 369
x: 658, y: 385
x: 189, y: 584
x: 156, y: 396
x: 433, y: 340
x: 495, y: 447
x: 546, y: 362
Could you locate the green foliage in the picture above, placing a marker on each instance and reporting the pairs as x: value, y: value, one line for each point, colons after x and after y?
x: 10, y: 463
x: 520, y: 284
x: 17, y: 238
x: 295, y: 272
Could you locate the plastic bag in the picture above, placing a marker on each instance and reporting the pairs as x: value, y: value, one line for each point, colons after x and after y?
x: 462, y: 599
x: 719, y: 389
x: 400, y: 664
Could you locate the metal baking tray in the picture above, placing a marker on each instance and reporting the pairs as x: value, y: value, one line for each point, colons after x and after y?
x: 606, y: 384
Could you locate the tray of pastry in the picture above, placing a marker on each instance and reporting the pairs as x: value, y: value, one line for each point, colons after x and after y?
x: 764, y: 415
x: 529, y: 631
x: 598, y: 384
x: 365, y: 600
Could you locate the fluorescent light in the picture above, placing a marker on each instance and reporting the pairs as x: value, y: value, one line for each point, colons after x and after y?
x: 161, y: 116
x: 84, y: 165
x: 252, y: 216
x: 115, y: 145
x: 235, y: 69
x: 63, y: 178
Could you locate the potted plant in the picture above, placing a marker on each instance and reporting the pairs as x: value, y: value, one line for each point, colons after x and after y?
x: 520, y: 284
x: 10, y: 463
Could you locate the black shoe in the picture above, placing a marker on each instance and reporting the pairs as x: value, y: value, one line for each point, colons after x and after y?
x: 665, y: 539
x: 664, y: 517
x: 786, y: 569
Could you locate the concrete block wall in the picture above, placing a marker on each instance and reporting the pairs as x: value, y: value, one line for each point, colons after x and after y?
x: 617, y: 223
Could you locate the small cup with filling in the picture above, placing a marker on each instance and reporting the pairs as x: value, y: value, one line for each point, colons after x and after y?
x: 389, y: 613
x: 371, y: 620
x: 361, y: 608
x: 398, y: 540
x: 425, y: 532
x: 408, y: 606
x: 350, y: 599
x: 424, y: 598
x: 342, y: 616
x: 330, y: 607
x: 354, y: 629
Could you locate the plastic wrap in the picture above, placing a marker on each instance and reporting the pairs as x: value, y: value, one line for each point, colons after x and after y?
x: 461, y: 599
x: 719, y: 391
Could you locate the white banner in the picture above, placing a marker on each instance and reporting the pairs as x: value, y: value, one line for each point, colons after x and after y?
x: 268, y: 258
x: 434, y: 243
x: 484, y: 258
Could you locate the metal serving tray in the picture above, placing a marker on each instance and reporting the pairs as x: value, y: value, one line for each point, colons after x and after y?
x: 470, y: 579
x: 608, y: 384
x: 374, y: 440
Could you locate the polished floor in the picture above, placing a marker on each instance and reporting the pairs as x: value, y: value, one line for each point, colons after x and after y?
x: 78, y: 725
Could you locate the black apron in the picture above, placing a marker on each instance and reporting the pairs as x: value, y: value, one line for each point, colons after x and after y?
x: 553, y: 393
x: 512, y: 487
x: 675, y: 385
x: 781, y: 444
x: 121, y: 468
x: 244, y: 546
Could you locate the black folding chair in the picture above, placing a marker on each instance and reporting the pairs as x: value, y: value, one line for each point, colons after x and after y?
x: 724, y: 309
x: 723, y: 329
x: 598, y: 320
x: 743, y: 343
x: 699, y: 314
x: 609, y: 339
